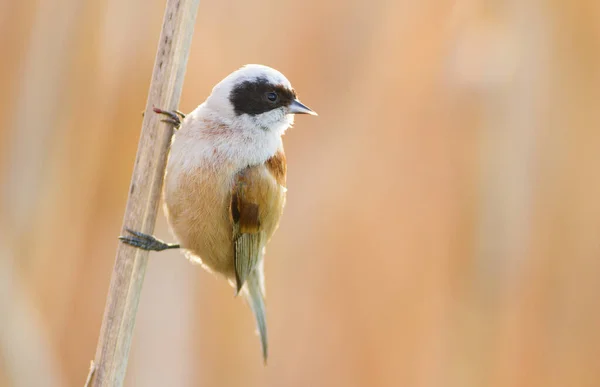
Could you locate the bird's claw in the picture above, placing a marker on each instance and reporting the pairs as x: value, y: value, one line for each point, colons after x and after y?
x: 174, y: 117
x: 146, y: 242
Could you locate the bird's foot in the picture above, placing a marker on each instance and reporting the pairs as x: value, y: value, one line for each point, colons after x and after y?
x: 173, y: 117
x: 146, y: 242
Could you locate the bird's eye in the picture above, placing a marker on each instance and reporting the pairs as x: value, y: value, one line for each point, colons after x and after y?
x: 272, y: 96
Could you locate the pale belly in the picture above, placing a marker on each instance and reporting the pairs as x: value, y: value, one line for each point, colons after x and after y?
x: 197, y: 205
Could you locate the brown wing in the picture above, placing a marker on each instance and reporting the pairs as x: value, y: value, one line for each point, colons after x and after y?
x: 277, y: 166
x: 257, y: 200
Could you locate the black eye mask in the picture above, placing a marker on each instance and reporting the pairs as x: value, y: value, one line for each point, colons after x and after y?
x: 251, y: 97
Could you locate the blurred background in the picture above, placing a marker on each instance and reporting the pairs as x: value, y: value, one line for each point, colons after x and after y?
x: 443, y: 216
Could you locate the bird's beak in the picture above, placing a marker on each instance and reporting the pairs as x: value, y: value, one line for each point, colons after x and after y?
x: 297, y: 107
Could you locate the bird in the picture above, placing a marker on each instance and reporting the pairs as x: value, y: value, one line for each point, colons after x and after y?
x: 225, y: 182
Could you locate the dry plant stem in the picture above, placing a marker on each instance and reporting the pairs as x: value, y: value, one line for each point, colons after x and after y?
x: 88, y: 380
x: 144, y: 194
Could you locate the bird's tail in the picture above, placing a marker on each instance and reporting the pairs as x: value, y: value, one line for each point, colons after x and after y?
x: 255, y: 295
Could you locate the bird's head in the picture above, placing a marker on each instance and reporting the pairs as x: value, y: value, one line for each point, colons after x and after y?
x: 257, y: 97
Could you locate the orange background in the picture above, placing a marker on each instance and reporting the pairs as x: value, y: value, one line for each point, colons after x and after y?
x: 443, y: 217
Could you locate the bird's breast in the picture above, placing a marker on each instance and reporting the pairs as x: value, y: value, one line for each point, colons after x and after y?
x: 197, y: 196
x: 196, y: 205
